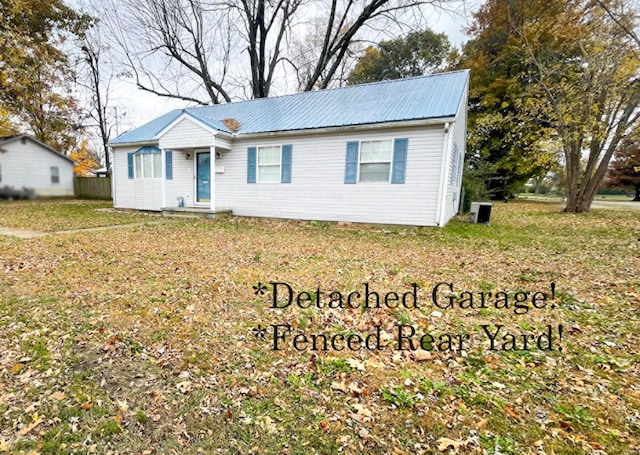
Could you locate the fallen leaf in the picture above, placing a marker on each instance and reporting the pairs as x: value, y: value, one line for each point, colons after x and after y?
x: 59, y: 396
x: 356, y: 364
x: 373, y: 363
x: 362, y: 410
x: 355, y: 389
x: 445, y: 443
x: 4, y: 445
x: 420, y: 355
x: 185, y: 386
x: 509, y: 410
x: 86, y: 405
x: 30, y: 427
x: 340, y: 386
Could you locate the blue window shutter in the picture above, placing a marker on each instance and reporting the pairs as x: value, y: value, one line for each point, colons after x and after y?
x: 251, y: 165
x: 130, y: 164
x: 351, y: 168
x: 286, y: 163
x: 168, y: 156
x: 399, y: 168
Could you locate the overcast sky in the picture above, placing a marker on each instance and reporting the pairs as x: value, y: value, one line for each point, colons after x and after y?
x: 136, y: 107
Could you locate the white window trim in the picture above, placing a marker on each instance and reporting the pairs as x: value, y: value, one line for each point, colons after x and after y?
x: 258, y: 164
x: 135, y: 166
x: 375, y: 162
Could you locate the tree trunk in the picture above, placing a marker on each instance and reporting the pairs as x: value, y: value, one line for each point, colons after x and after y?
x: 637, y: 196
x: 572, y: 157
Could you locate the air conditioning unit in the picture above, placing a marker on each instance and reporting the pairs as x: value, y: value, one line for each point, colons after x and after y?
x: 480, y: 212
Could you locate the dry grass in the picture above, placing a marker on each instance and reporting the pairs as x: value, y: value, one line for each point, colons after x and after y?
x: 142, y: 339
x: 50, y: 215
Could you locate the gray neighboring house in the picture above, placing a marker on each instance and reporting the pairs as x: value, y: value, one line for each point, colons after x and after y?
x: 388, y: 152
x: 28, y: 163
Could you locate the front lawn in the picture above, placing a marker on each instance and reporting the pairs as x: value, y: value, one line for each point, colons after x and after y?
x: 149, y: 339
x: 50, y: 215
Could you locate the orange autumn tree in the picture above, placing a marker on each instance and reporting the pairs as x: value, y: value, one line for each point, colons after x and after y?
x: 86, y: 159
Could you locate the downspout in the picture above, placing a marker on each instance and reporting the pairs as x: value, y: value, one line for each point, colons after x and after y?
x: 443, y: 169
x: 163, y: 160
x: 112, y: 176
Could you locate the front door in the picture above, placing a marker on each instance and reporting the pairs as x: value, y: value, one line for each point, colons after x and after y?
x: 203, y: 172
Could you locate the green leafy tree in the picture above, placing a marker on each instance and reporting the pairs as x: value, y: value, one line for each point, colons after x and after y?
x: 36, y: 80
x: 584, y: 81
x: 504, y: 142
x: 557, y: 70
x: 416, y: 54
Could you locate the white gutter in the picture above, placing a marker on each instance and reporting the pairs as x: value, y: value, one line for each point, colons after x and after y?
x: 347, y: 128
x: 328, y: 130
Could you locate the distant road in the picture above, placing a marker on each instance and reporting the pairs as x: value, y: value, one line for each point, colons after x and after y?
x: 616, y: 205
x: 596, y: 204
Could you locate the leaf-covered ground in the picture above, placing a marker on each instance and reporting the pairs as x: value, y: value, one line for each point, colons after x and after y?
x: 51, y: 215
x: 142, y: 340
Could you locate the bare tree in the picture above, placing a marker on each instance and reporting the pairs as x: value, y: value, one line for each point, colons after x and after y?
x: 261, y: 21
x: 98, y: 83
x: 623, y: 13
x: 196, y: 50
x: 174, y: 48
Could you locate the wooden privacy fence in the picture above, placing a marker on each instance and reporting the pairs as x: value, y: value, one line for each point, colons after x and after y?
x: 92, y: 187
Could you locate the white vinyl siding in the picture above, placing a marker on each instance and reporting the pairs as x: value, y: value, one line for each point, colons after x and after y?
x: 457, y: 146
x: 375, y: 161
x: 136, y: 193
x: 27, y: 164
x: 186, y: 134
x: 455, y: 166
x: 269, y: 162
x: 317, y: 190
x: 182, y: 184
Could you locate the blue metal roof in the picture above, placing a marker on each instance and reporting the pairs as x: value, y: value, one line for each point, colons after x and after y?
x: 416, y: 98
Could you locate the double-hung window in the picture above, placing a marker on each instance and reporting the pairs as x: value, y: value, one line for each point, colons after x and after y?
x: 375, y: 161
x: 269, y: 164
x: 55, y: 174
x: 382, y: 160
x: 269, y: 161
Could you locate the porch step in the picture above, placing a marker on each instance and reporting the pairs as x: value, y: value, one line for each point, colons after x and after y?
x: 195, y: 212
